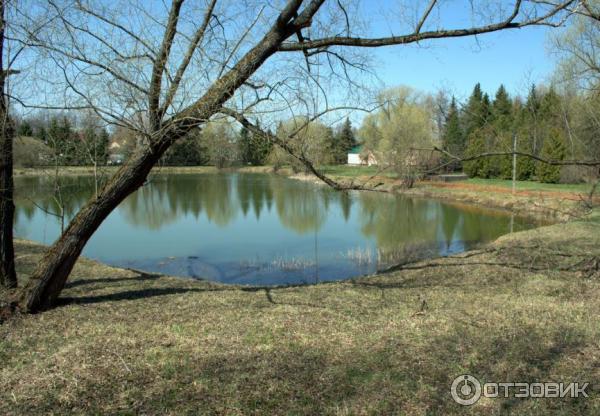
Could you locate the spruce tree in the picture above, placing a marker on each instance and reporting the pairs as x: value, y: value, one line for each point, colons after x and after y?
x: 532, y: 117
x: 102, y: 147
x: 25, y: 129
x: 503, y: 125
x: 554, y: 149
x: 346, y: 141
x: 525, y: 165
x: 502, y: 110
x: 476, y: 145
x: 453, y: 139
x: 246, y: 146
x: 550, y: 109
x: 473, y: 115
x: 41, y: 134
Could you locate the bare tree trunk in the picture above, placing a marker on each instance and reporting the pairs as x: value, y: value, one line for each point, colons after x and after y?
x: 49, y: 278
x: 8, y: 276
x: 46, y: 283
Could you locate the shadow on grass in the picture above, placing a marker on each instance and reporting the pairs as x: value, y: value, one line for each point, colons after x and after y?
x: 390, y: 376
x: 143, y: 277
x: 149, y: 292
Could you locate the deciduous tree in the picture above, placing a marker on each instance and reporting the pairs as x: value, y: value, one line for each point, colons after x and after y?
x: 199, y: 68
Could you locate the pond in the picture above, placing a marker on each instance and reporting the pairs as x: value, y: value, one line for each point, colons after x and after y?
x: 259, y: 229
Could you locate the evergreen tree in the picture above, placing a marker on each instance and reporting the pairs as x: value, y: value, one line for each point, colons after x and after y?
x: 61, y: 139
x: 260, y: 148
x: 503, y: 125
x: 525, y: 165
x: 453, y: 139
x: 102, y: 147
x: 550, y: 109
x: 246, y: 147
x: 41, y: 134
x: 488, y: 168
x: 97, y: 146
x: 474, y: 114
x: 486, y: 110
x: 502, y: 109
x: 54, y: 140
x: 25, y: 129
x: 532, y: 118
x: 87, y: 153
x: 339, y: 144
x: 554, y: 149
x: 188, y: 151
x: 264, y: 147
x: 254, y: 148
x: 345, y: 142
x: 476, y: 145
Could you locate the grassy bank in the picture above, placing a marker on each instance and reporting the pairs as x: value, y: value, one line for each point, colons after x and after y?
x: 550, y: 201
x: 522, y: 309
x: 532, y: 186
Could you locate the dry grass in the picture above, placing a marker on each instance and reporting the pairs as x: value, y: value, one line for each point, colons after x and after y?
x: 128, y: 343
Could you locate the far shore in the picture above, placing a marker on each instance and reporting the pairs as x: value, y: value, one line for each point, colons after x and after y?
x: 550, y: 202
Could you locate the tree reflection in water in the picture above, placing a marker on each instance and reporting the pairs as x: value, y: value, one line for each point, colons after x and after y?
x: 266, y: 224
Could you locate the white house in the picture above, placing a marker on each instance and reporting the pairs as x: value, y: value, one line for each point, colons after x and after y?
x: 356, y: 157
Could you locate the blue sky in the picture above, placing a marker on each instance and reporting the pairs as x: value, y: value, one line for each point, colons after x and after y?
x: 515, y: 58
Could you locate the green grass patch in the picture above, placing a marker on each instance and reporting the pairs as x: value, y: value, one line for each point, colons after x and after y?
x: 351, y: 171
x: 531, y: 185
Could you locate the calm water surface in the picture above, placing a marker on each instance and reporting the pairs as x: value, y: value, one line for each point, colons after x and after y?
x: 259, y: 228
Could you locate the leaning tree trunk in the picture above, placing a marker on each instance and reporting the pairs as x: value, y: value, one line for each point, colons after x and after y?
x: 8, y: 276
x: 51, y: 274
x: 46, y: 283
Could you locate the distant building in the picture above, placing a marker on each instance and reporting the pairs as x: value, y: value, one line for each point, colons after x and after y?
x: 114, y: 146
x: 116, y: 159
x: 357, y: 157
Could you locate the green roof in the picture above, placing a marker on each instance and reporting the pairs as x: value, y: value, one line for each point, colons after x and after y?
x: 356, y: 149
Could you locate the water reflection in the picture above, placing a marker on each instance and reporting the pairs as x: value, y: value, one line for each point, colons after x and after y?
x: 255, y: 228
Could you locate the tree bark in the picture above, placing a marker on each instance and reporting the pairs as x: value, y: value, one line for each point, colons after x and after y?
x: 50, y: 276
x: 8, y: 276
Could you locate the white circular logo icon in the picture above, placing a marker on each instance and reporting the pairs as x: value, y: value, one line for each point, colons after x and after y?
x: 466, y: 390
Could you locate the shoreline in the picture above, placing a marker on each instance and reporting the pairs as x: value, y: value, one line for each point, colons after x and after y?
x: 552, y: 206
x: 537, y: 207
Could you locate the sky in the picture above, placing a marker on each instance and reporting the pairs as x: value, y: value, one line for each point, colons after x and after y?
x: 516, y: 58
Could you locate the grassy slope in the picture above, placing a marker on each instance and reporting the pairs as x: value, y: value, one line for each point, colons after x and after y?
x: 531, y: 185
x: 27, y: 151
x: 128, y: 343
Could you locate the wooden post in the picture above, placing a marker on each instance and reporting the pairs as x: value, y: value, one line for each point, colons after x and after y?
x: 514, y: 165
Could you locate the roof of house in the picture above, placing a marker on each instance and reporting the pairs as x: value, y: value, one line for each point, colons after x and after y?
x: 356, y: 149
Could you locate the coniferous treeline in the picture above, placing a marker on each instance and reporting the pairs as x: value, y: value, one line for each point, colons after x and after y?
x: 545, y: 124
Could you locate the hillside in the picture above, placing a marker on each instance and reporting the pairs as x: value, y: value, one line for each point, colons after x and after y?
x: 30, y: 152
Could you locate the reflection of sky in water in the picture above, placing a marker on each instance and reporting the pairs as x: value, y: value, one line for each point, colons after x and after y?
x: 261, y: 229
